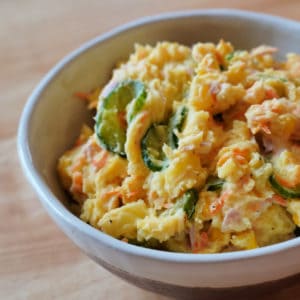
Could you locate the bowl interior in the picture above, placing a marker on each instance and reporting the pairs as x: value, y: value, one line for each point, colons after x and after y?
x: 53, y: 116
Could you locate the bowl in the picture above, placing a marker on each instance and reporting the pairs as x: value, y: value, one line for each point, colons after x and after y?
x: 52, y: 119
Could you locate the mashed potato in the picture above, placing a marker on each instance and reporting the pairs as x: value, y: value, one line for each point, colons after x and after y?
x: 195, y: 149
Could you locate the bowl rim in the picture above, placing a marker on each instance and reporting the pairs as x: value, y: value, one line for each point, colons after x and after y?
x: 53, y: 203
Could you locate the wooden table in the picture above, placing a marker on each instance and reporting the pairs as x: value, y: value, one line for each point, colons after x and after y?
x: 36, y: 260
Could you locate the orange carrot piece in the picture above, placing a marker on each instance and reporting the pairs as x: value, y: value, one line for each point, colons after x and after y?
x: 217, y: 205
x: 241, y: 152
x: 91, y: 150
x: 144, y: 116
x: 219, y: 57
x: 270, y: 94
x: 286, y: 183
x: 254, y: 206
x: 244, y: 179
x: 83, y: 96
x: 200, y: 242
x: 132, y: 194
x: 222, y: 160
x: 111, y: 193
x: 241, y: 159
x: 278, y: 200
x: 265, y: 128
x: 214, y: 90
x: 77, y: 182
x: 78, y: 164
x: 78, y: 142
x: 240, y: 155
x: 100, y: 163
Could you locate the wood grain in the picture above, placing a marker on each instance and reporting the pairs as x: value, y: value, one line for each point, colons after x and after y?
x: 36, y: 260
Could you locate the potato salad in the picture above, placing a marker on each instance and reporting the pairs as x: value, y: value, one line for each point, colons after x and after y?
x: 194, y: 149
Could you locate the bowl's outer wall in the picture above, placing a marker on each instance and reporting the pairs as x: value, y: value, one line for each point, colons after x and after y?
x: 53, y: 123
x: 213, y: 275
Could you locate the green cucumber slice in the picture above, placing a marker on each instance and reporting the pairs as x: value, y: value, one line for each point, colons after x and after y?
x: 111, y: 125
x: 187, y: 202
x: 151, y: 144
x: 214, y: 183
x: 283, y: 191
x: 190, y: 199
x: 158, y: 135
x: 176, y: 124
x: 139, y: 92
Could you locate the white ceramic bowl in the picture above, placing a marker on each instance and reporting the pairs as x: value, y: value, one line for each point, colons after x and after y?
x: 52, y: 118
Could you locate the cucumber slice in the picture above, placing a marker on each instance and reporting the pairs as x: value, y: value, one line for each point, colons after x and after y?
x: 139, y: 92
x: 187, y: 202
x: 111, y: 125
x: 214, y: 183
x: 283, y: 191
x: 231, y: 55
x: 176, y: 124
x: 152, y: 143
x: 158, y: 135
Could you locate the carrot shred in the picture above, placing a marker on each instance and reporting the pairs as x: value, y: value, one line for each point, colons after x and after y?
x: 203, y: 239
x: 241, y: 152
x: 91, y: 97
x: 217, y: 205
x: 83, y: 96
x: 285, y: 183
x: 278, y: 200
x: 241, y: 159
x: 144, y: 116
x: 78, y: 164
x: 276, y: 110
x: 77, y: 182
x: 111, y: 193
x: 244, y: 180
x: 79, y: 141
x: 214, y: 90
x: 238, y: 115
x: 265, y: 128
x: 254, y: 206
x: 132, y: 194
x: 200, y: 242
x: 270, y: 94
x: 91, y: 150
x: 222, y: 160
x: 219, y: 57
x: 100, y: 163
